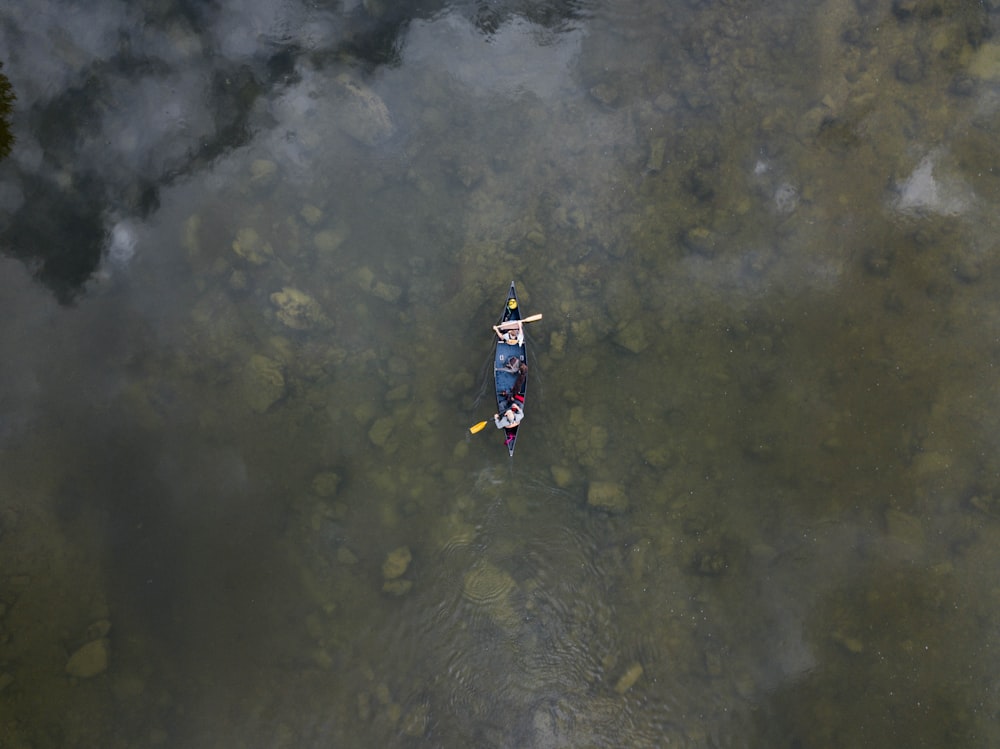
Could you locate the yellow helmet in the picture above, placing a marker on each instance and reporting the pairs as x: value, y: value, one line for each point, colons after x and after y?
x: 512, y: 303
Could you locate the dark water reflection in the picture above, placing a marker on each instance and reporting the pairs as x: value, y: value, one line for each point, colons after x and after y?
x: 252, y: 253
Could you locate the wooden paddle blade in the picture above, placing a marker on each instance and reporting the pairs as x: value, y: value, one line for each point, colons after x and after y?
x: 533, y: 318
x: 478, y: 427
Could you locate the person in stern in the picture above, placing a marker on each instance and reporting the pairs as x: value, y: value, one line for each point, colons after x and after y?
x: 510, y: 418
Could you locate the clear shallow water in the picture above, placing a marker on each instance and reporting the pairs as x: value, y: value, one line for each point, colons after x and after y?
x: 252, y: 257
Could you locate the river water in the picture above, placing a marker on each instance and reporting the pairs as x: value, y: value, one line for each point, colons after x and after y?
x: 251, y: 254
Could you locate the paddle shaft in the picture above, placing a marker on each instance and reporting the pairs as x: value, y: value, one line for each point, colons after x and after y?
x: 531, y: 318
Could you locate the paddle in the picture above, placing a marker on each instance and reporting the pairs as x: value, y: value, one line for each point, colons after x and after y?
x: 510, y: 323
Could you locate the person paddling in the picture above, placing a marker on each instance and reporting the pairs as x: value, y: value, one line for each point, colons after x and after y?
x: 510, y: 418
x: 510, y: 332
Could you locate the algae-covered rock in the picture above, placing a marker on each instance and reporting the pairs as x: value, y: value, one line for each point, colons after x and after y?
x: 264, y: 383
x: 397, y: 587
x: 263, y: 172
x: 632, y: 337
x: 396, y: 562
x: 415, y: 721
x: 298, y: 310
x: 364, y: 277
x: 89, y: 660
x: 386, y: 291
x: 381, y: 431
x: 607, y: 495
x: 325, y: 484
x: 487, y: 584
x: 985, y: 62
x: 701, y: 241
x: 329, y: 240
x: 311, y: 214
x: 490, y: 589
x: 557, y: 343
x: 251, y: 247
x: 366, y: 280
x: 562, y: 475
x: 189, y: 239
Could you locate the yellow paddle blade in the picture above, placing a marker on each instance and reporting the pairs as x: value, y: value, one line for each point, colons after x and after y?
x: 478, y: 427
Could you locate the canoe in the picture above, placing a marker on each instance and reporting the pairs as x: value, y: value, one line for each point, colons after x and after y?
x: 504, y: 379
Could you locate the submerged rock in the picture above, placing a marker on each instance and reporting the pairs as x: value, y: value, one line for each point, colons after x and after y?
x: 381, y: 431
x: 298, y: 310
x: 491, y: 589
x: 263, y: 172
x: 397, y: 587
x: 325, y: 484
x: 329, y: 240
x: 396, y: 563
x: 89, y: 660
x: 487, y: 584
x: 363, y: 116
x: 629, y: 678
x: 415, y: 721
x: 632, y: 337
x: 249, y: 246
x: 264, y: 383
x: 311, y: 214
x: 607, y: 495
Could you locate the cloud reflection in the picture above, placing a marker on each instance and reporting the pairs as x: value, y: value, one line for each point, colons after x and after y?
x: 510, y: 61
x: 118, y: 100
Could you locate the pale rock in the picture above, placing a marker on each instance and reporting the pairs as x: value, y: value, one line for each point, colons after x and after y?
x: 89, y: 660
x: 562, y: 475
x: 363, y: 114
x: 386, y: 291
x: 415, y: 722
x: 380, y: 432
x: 298, y: 310
x: 249, y: 246
x: 311, y: 214
x: 607, y: 495
x: 263, y: 172
x: 396, y: 563
x: 985, y: 62
x: 264, y: 383
x: 629, y: 678
x: 329, y: 240
x: 397, y: 587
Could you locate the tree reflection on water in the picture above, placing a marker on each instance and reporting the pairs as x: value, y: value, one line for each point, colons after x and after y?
x: 7, y: 99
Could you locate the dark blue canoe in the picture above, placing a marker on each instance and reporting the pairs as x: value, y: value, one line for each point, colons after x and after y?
x: 505, y: 380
